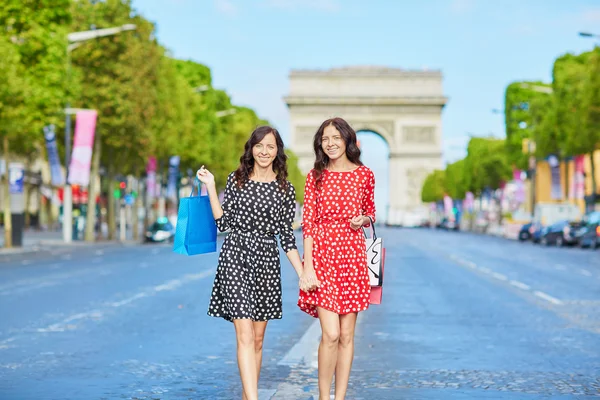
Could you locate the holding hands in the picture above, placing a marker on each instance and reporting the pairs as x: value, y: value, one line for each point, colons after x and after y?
x: 308, y: 279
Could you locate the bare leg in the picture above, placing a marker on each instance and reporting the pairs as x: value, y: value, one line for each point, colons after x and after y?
x: 345, y: 354
x: 244, y: 330
x: 328, y: 349
x: 259, y: 336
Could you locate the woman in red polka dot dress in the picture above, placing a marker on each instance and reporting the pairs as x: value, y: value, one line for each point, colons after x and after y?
x: 338, y: 202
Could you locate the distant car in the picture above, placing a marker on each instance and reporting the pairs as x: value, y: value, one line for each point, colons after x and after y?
x: 589, y: 233
x: 561, y: 233
x: 448, y: 224
x: 525, y: 232
x: 161, y: 231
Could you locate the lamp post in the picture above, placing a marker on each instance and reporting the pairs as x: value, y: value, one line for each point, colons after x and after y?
x: 75, y: 40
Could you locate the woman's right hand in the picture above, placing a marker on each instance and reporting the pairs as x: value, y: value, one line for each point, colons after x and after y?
x: 205, y: 176
x: 308, y: 279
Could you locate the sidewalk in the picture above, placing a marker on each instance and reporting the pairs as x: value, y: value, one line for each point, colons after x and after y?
x: 34, y: 241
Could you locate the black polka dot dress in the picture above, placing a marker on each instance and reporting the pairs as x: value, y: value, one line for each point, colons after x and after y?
x: 248, y: 279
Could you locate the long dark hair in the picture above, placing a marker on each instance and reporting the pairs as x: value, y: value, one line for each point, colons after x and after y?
x: 349, y: 137
x: 242, y: 174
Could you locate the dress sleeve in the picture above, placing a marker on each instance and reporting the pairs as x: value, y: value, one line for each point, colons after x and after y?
x: 368, y: 199
x: 309, y: 211
x: 224, y: 223
x: 288, y: 211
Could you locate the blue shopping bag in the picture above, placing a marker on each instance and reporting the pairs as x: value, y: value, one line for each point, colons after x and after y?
x: 196, y: 231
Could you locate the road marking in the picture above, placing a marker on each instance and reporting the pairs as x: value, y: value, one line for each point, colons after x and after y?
x: 471, y: 264
x: 67, y: 323
x: 586, y: 272
x: 4, y: 344
x: 66, y: 257
x: 485, y: 269
x: 25, y: 262
x: 560, y: 267
x: 304, y: 350
x: 520, y: 285
x: 499, y: 276
x: 99, y: 252
x: 547, y: 297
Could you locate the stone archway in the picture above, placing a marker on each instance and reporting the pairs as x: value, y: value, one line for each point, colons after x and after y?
x: 403, y: 107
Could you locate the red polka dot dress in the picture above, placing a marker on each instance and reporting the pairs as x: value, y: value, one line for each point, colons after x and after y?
x: 339, y: 252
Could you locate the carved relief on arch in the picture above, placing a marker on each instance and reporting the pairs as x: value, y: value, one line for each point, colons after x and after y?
x: 385, y: 129
x: 418, y: 135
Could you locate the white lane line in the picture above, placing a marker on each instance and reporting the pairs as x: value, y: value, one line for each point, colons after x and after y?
x: 4, y: 344
x: 67, y: 323
x: 500, y: 277
x: 520, y: 285
x: 128, y: 300
x: 547, y: 297
x: 485, y: 269
x: 304, y: 350
x: 586, y: 272
x: 471, y: 264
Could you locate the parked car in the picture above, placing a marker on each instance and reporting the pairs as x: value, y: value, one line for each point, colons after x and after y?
x: 589, y: 233
x: 525, y: 232
x: 161, y: 231
x: 537, y: 230
x: 561, y: 233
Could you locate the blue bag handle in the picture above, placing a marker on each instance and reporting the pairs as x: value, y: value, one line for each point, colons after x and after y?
x: 197, y: 184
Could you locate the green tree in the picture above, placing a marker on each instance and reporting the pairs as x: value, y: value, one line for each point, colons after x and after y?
x: 118, y: 76
x: 486, y: 164
x: 591, y: 98
x: 33, y: 36
x: 434, y: 187
x: 455, y: 179
x: 295, y: 176
x: 519, y: 102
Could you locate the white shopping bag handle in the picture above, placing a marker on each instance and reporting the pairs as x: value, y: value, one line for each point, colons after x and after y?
x: 373, y: 233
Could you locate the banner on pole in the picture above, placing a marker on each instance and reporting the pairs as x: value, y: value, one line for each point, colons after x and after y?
x: 85, y: 127
x: 56, y: 174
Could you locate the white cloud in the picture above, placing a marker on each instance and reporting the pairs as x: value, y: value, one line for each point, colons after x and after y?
x: 226, y: 7
x: 319, y: 5
x: 462, y: 6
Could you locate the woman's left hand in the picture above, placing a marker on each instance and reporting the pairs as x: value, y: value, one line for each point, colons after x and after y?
x: 357, y: 222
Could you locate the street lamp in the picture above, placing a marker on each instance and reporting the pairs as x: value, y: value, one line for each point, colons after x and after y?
x: 590, y: 35
x: 75, y: 40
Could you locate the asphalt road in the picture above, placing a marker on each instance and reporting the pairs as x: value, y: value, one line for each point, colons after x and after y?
x: 463, y: 317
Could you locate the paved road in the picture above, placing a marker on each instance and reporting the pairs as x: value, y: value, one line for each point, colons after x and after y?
x: 464, y: 317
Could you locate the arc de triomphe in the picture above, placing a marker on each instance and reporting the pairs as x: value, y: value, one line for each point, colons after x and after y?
x: 403, y: 107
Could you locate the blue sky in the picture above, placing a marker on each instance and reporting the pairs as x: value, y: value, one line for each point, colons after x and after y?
x: 479, y: 45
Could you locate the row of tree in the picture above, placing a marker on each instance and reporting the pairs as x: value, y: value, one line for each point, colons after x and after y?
x: 148, y: 103
x: 561, y: 118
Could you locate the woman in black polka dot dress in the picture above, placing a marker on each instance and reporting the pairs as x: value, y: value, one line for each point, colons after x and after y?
x: 258, y: 205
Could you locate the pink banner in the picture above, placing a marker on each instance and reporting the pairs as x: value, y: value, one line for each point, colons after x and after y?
x: 578, y: 182
x: 85, y: 127
x: 151, y: 177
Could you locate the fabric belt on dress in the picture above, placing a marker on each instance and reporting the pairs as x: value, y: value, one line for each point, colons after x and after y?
x: 263, y: 237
